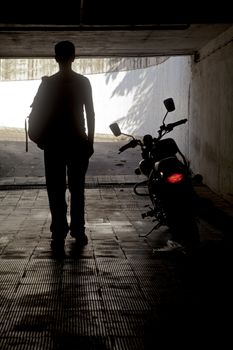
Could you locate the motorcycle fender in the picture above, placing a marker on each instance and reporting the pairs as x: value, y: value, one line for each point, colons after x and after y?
x: 168, y: 164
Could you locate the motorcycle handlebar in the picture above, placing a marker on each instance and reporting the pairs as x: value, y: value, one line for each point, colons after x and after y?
x: 170, y: 126
x: 131, y: 144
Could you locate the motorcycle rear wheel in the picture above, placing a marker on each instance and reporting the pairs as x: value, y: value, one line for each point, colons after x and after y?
x: 180, y: 218
x: 184, y: 228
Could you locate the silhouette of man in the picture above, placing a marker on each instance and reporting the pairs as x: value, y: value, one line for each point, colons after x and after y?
x: 66, y: 144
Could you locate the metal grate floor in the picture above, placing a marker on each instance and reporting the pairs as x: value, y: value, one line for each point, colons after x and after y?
x: 113, y: 294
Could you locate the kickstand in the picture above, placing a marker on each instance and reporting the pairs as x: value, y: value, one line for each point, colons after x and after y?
x: 154, y: 228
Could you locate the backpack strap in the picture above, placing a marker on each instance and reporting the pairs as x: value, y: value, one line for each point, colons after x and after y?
x: 26, y: 132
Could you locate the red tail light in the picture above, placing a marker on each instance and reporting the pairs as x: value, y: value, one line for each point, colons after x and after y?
x: 174, y: 178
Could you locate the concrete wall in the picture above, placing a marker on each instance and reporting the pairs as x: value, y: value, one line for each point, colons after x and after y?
x: 211, y: 110
x: 134, y: 98
x: 148, y: 88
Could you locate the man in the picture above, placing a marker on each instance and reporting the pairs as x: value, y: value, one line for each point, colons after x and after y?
x: 67, y: 97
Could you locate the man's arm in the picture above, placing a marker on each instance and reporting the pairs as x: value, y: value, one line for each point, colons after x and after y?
x: 90, y: 114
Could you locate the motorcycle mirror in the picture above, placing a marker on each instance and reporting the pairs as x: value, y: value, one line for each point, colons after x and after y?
x: 115, y: 129
x: 169, y: 104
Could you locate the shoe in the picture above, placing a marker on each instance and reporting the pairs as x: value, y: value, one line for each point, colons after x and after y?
x: 58, y: 249
x: 81, y: 238
x: 169, y: 247
x: 57, y: 243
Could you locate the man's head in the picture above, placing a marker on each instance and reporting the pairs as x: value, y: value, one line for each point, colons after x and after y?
x: 64, y: 51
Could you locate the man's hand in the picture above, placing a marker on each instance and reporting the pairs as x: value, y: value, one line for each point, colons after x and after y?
x: 90, y: 148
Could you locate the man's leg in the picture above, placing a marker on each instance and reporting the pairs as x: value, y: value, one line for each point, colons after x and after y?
x: 77, y: 169
x: 55, y: 173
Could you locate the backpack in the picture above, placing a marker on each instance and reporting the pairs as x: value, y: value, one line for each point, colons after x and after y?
x: 37, y: 122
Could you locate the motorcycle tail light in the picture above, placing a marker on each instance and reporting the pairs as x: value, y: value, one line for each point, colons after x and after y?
x: 174, y: 178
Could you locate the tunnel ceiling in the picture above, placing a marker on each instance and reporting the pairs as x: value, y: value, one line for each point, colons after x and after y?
x: 109, y: 28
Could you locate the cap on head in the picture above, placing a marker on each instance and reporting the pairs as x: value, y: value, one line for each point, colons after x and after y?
x: 64, y: 51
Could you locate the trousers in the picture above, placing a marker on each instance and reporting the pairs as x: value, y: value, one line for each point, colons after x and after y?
x: 67, y: 164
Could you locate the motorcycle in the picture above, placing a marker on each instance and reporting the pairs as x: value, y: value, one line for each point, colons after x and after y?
x: 169, y: 181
